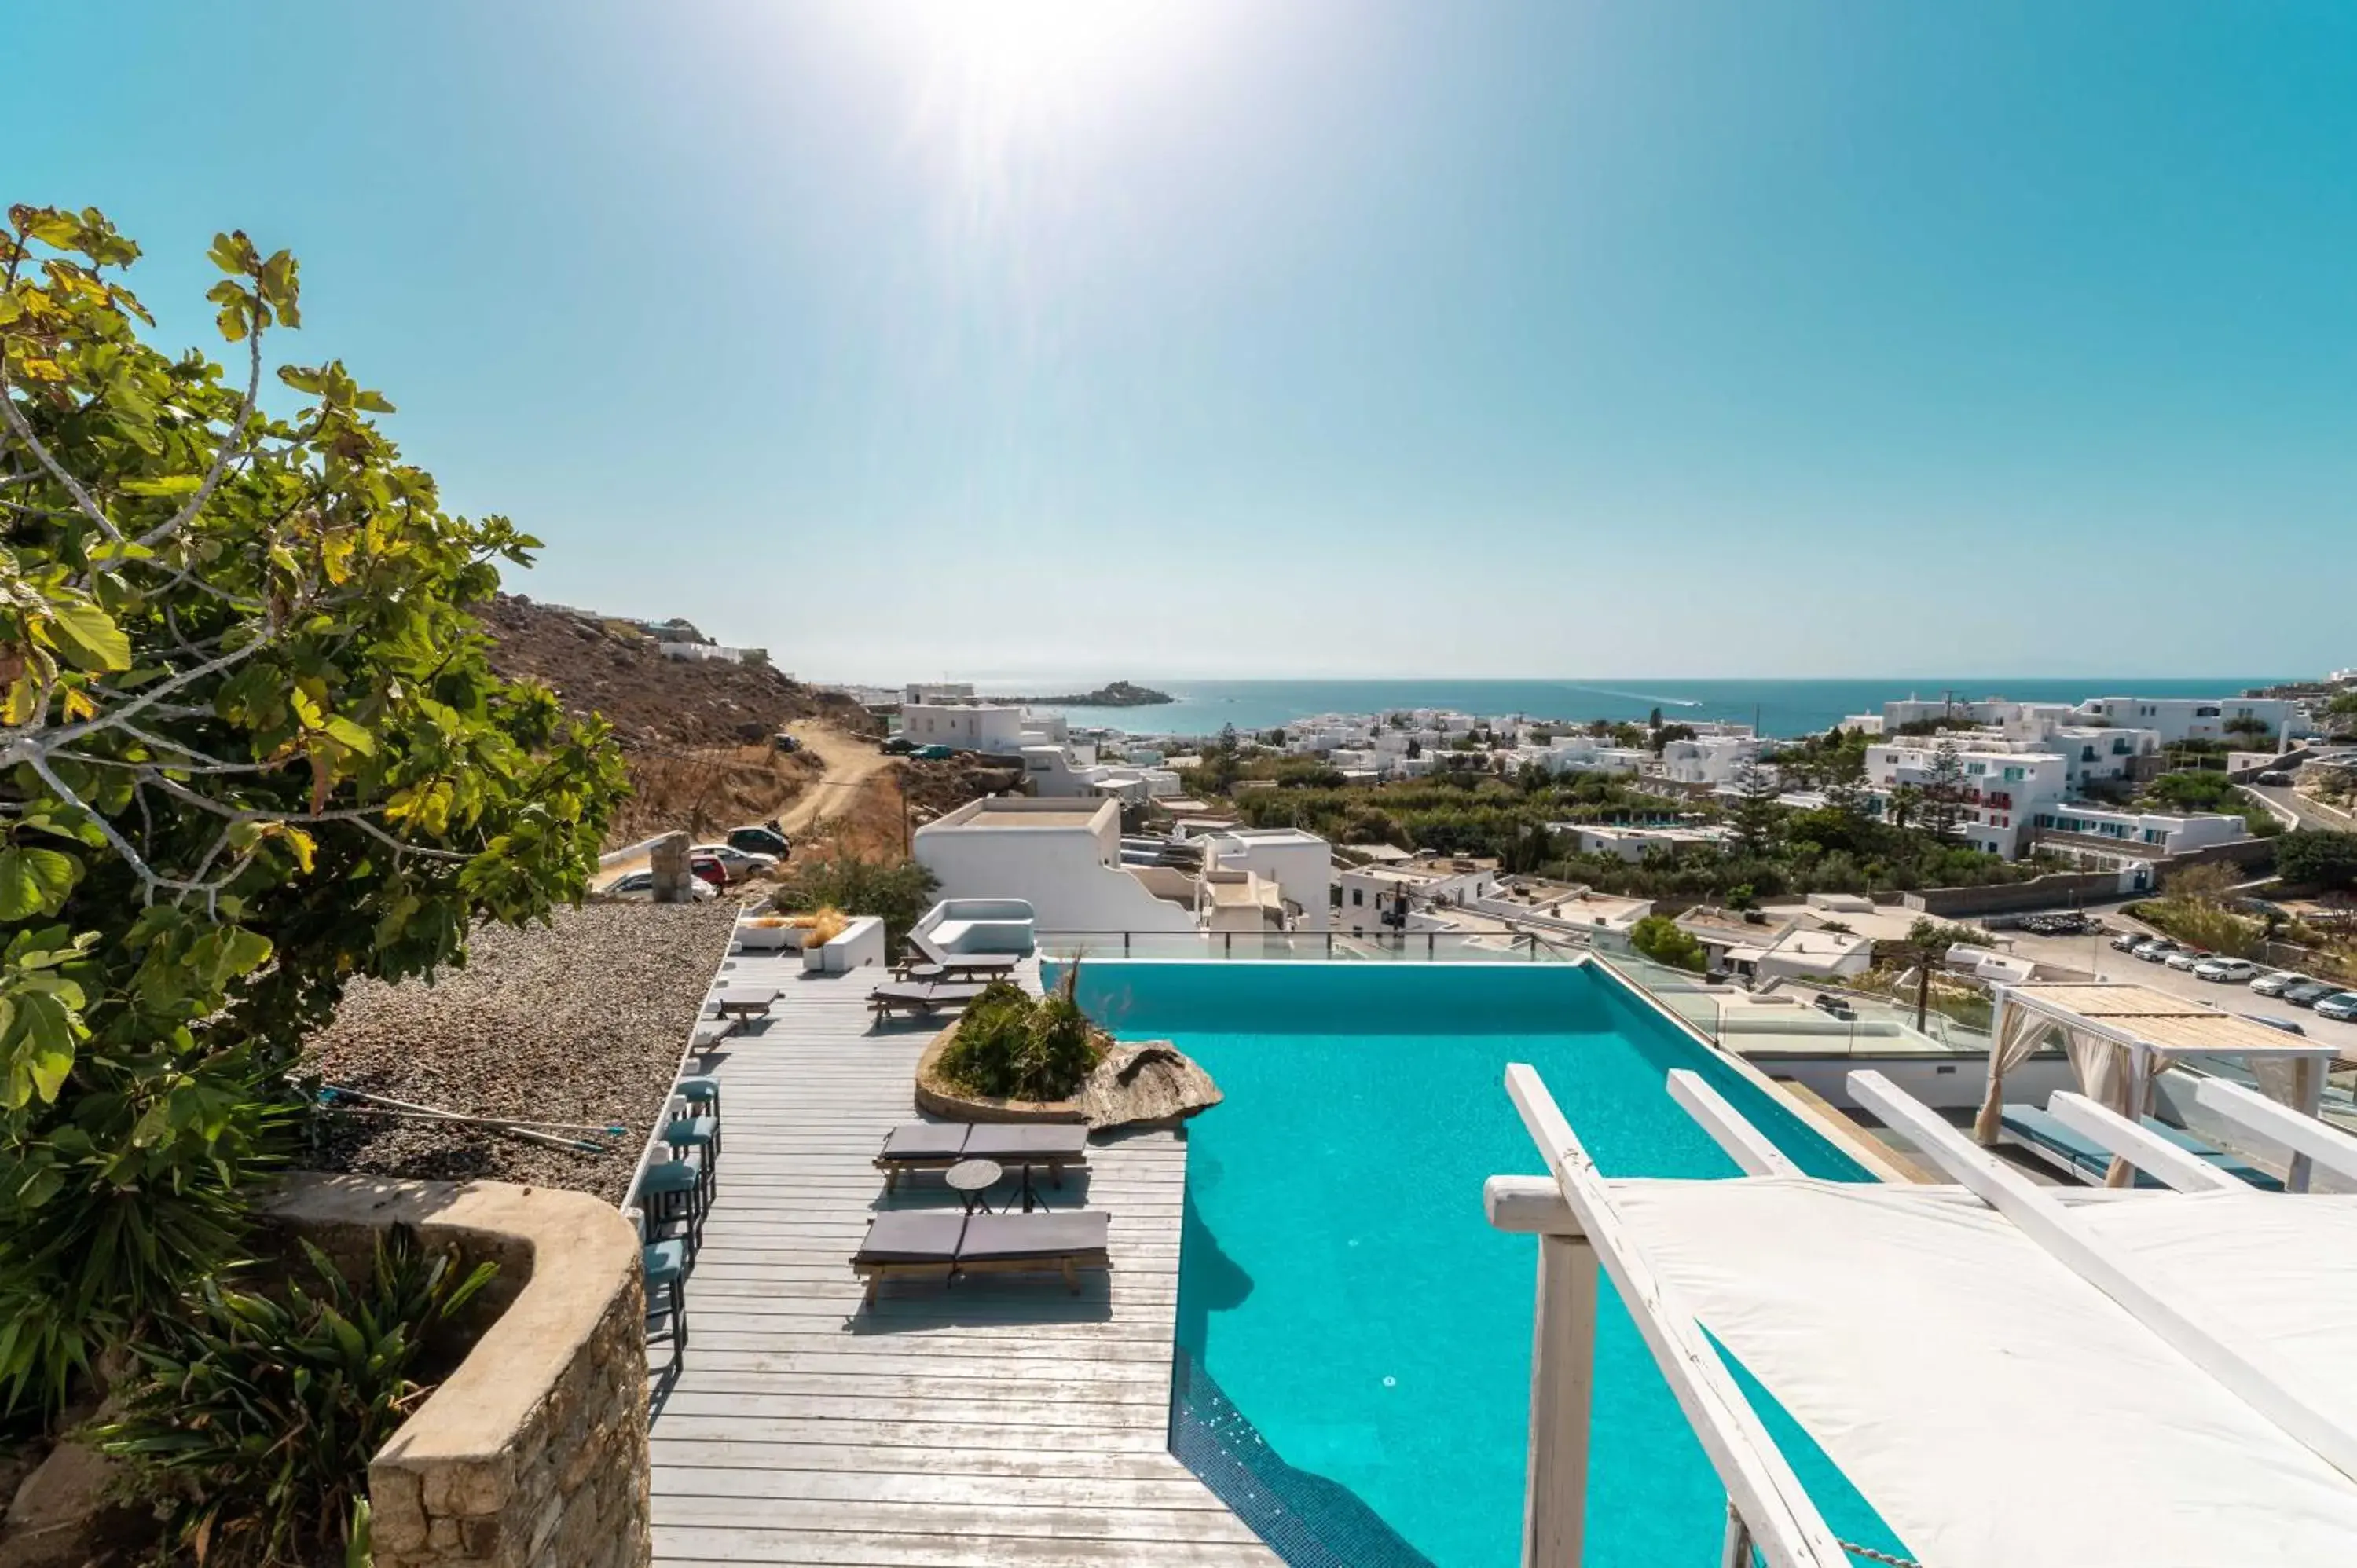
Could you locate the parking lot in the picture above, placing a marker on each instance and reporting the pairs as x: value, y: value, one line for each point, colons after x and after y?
x: 2097, y: 954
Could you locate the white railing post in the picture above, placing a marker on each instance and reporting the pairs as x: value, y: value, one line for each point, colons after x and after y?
x: 1563, y: 1379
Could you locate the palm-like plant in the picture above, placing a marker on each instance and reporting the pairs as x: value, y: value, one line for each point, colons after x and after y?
x: 256, y: 1417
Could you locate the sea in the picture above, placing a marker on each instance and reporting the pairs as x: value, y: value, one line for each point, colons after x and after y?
x: 1777, y: 707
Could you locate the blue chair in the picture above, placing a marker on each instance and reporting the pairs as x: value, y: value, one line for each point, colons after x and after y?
x: 702, y: 1092
x: 664, y: 1265
x: 699, y: 1135
x: 672, y: 1195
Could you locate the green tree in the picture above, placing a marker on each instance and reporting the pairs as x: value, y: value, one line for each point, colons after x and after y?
x: 2317, y: 859
x: 1944, y: 789
x: 1756, y: 817
x: 2249, y: 726
x: 1905, y: 804
x: 1661, y: 938
x: 253, y: 748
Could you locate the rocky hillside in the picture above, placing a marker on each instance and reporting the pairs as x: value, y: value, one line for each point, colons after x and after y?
x: 612, y: 667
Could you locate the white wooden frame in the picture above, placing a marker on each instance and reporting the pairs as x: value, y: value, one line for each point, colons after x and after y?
x: 2251, y: 1373
x: 2301, y: 1131
x: 1783, y: 1523
x: 1747, y: 1145
x: 2141, y: 1147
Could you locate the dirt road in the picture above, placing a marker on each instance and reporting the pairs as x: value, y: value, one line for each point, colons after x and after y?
x: 849, y: 764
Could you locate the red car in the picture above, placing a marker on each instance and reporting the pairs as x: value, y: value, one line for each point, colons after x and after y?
x: 707, y: 868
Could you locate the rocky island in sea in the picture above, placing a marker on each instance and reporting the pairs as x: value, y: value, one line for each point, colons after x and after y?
x: 1117, y: 695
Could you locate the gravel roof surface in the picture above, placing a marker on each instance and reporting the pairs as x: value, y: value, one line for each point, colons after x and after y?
x: 583, y: 1021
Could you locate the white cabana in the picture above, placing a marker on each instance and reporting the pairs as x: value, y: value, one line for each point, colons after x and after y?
x: 2121, y: 1037
x: 2012, y: 1376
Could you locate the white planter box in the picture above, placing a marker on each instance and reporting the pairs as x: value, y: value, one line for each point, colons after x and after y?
x: 861, y: 943
x: 770, y: 939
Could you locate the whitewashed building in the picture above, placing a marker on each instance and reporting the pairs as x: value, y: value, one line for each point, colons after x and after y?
x: 2003, y: 790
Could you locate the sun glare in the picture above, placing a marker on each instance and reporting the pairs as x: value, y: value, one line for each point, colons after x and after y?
x: 1036, y: 59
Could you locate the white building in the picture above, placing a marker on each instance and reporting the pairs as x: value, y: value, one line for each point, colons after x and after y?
x: 1632, y: 843
x: 1560, y: 908
x: 1366, y: 893
x: 2105, y: 836
x: 2197, y: 718
x: 1301, y: 866
x: 939, y: 692
x: 2003, y: 790
x: 1710, y: 759
x: 1072, y: 772
x: 2097, y: 754
x: 969, y: 727
x: 1063, y: 857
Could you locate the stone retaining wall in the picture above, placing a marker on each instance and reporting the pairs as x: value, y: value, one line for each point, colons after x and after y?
x: 534, y: 1449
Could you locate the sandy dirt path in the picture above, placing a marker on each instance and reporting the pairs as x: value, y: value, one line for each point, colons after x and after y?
x: 850, y: 763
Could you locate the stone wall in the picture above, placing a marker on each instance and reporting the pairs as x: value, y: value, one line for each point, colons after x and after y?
x: 534, y: 1449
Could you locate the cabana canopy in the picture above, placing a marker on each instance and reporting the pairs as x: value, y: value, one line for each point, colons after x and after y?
x: 2120, y: 1036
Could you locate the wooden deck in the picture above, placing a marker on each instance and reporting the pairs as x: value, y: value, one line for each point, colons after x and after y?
x: 1001, y: 1423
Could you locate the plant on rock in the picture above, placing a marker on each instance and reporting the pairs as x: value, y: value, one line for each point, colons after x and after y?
x: 249, y: 749
x: 1012, y: 1045
x: 253, y: 1420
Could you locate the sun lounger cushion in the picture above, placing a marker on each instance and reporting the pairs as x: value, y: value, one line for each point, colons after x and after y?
x: 1015, y: 1141
x: 926, y: 1141
x: 2083, y: 1153
x: 934, y: 953
x: 2232, y: 1165
x: 1044, y: 1234
x: 912, y: 1236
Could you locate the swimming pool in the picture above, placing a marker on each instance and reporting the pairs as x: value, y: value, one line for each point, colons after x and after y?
x: 1353, y: 1355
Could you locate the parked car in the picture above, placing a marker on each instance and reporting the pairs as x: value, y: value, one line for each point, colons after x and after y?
x: 642, y: 885
x: 2272, y: 1022
x: 2225, y: 971
x: 2189, y: 959
x: 2340, y: 1005
x: 736, y: 863
x: 760, y: 841
x: 1825, y: 1001
x: 2128, y: 941
x: 2155, y: 950
x: 707, y: 868
x: 2278, y: 982
x: 933, y: 753
x: 2308, y: 992
x: 2274, y: 777
x: 2069, y: 923
x: 896, y: 745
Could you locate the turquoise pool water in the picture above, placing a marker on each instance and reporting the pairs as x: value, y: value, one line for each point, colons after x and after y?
x: 1339, y: 1285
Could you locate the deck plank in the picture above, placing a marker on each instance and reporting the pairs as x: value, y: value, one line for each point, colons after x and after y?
x: 1005, y: 1421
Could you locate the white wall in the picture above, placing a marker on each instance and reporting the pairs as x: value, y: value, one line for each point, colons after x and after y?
x: 1301, y: 864
x: 1071, y: 875
x: 978, y: 727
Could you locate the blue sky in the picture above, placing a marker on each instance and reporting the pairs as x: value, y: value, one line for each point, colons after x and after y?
x: 1333, y: 336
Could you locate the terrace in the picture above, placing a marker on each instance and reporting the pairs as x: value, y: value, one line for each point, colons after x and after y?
x: 1002, y: 1423
x: 1227, y: 1394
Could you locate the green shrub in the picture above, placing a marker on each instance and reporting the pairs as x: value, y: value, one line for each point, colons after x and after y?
x: 1009, y: 1045
x: 1661, y: 938
x: 900, y: 891
x: 254, y: 1418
